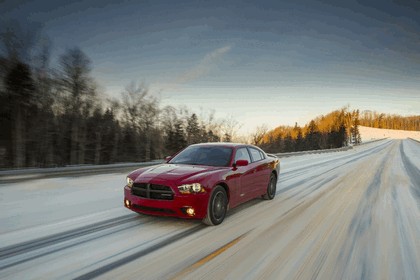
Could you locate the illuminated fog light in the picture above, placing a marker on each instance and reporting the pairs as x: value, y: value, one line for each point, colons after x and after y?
x: 190, y: 211
x: 127, y: 203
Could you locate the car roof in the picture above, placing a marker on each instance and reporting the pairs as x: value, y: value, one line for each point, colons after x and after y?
x: 223, y: 144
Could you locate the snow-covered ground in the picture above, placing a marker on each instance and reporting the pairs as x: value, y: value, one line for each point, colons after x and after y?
x: 369, y: 134
x: 342, y: 215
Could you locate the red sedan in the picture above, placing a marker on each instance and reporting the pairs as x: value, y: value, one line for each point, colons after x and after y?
x: 203, y: 181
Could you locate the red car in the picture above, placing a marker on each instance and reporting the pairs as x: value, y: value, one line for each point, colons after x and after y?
x: 203, y: 181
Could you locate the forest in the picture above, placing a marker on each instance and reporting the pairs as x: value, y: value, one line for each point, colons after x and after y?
x: 334, y: 130
x: 58, y: 116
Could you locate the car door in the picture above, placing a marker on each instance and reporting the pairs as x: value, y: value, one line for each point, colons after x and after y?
x: 261, y: 172
x: 246, y: 174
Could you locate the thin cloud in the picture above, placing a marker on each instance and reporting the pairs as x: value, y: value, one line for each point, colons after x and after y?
x: 201, y: 69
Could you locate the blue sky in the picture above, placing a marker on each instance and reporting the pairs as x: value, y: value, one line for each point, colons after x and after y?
x: 272, y: 62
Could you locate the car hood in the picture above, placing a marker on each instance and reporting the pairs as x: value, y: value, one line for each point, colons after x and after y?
x: 175, y: 173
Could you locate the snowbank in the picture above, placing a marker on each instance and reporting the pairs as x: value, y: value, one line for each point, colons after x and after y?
x: 370, y: 134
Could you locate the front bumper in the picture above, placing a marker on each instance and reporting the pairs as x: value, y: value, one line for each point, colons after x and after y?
x: 173, y: 208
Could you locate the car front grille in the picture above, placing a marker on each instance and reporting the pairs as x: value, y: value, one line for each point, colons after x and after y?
x: 152, y: 191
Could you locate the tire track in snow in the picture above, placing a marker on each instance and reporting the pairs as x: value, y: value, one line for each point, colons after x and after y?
x: 414, y: 174
x: 360, y: 227
x: 32, y: 249
x: 301, y: 171
x: 304, y: 170
x: 106, y: 268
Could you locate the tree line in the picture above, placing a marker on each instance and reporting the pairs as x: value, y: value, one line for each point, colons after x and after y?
x: 389, y: 121
x: 334, y: 130
x: 56, y: 116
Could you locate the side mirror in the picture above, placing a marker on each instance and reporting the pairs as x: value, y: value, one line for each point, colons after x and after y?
x: 241, y: 162
x: 168, y: 158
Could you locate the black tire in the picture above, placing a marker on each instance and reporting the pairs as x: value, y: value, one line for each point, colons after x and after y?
x: 217, y: 207
x: 271, y: 188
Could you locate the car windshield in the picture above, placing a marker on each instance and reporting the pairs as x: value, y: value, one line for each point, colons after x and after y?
x: 204, y: 155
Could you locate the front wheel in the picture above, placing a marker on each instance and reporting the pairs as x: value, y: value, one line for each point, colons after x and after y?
x: 217, y: 207
x: 271, y: 188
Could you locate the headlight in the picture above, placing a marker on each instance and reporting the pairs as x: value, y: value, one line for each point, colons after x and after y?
x: 196, y: 187
x: 191, y: 188
x: 129, y: 182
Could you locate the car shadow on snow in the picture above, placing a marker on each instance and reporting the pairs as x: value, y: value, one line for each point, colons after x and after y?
x: 159, y: 220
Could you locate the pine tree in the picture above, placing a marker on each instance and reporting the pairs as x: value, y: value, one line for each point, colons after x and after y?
x: 227, y: 137
x: 20, y: 92
x: 211, y: 137
x: 176, y: 139
x: 289, y: 145
x: 312, y: 138
x: 193, y: 130
x: 299, y: 138
x: 342, y: 135
x: 355, y: 128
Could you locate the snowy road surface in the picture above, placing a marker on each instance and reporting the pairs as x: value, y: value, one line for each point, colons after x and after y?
x: 343, y: 215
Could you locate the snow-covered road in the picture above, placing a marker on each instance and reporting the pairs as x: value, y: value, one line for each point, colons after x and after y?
x: 342, y: 215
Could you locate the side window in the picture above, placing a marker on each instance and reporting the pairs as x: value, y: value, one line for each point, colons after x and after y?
x: 256, y: 155
x: 242, y: 153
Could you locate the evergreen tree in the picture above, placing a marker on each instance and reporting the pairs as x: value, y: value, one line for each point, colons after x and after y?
x: 227, y: 137
x: 342, y: 135
x: 312, y: 138
x: 110, y: 133
x: 355, y: 128
x: 193, y: 130
x: 211, y: 137
x: 20, y: 95
x: 176, y: 139
x: 298, y: 141
x: 289, y: 145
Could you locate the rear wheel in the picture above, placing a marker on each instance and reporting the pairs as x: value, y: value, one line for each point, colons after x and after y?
x: 271, y: 188
x: 217, y: 207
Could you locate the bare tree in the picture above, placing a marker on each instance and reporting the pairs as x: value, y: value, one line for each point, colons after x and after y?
x: 18, y: 42
x: 259, y: 133
x: 141, y: 112
x: 79, y: 97
x: 230, y: 127
x: 43, y: 125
